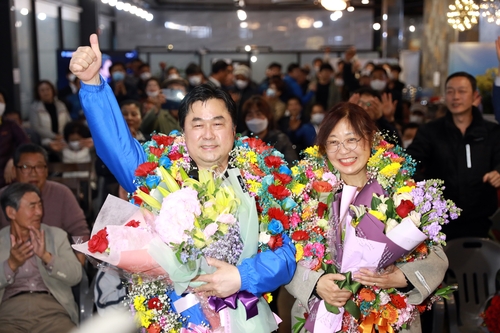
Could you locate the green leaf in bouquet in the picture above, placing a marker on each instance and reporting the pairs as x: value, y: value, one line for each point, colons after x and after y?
x: 330, y: 198
x: 332, y: 308
x: 298, y: 325
x: 445, y: 292
x: 391, y: 210
x: 330, y: 165
x: 375, y: 202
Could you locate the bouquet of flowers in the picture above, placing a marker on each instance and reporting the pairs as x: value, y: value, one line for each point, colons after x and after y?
x: 491, y: 314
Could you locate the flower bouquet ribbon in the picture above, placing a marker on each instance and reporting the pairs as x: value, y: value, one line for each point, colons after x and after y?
x: 325, y: 317
x: 372, y: 321
x: 249, y: 302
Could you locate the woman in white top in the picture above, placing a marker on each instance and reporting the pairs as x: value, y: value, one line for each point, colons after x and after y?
x: 48, y: 116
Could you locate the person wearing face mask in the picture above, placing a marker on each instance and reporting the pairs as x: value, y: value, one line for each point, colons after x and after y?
x: 244, y: 89
x: 300, y: 131
x: 78, y: 149
x: 327, y: 92
x: 272, y: 96
x: 70, y: 89
x: 259, y: 122
x: 194, y: 76
x: 144, y: 76
x: 417, y: 113
x: 11, y: 137
x: 123, y: 88
x: 409, y: 131
x: 163, y: 118
x: 379, y: 81
x: 317, y: 115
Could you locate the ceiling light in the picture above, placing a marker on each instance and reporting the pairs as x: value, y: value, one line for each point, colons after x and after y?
x: 112, y: 3
x: 411, y: 28
x: 248, y: 48
x: 384, y: 17
x: 336, y: 15
x: 42, y: 16
x: 242, y: 15
x: 334, y: 4
x: 317, y: 24
x: 365, y: 2
x: 24, y: 11
x: 304, y: 22
x: 244, y: 25
x: 253, y: 58
x: 350, y: 9
x: 376, y: 26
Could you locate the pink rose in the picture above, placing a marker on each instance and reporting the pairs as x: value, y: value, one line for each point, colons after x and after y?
x: 210, y: 230
x: 226, y: 218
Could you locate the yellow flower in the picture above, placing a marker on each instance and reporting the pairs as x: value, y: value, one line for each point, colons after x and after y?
x: 241, y: 160
x: 254, y: 186
x: 313, y: 151
x: 378, y: 215
x: 144, y: 317
x: 299, y: 254
x: 268, y: 297
x: 199, y: 239
x: 405, y: 189
x: 223, y: 227
x: 306, y: 214
x: 319, y: 173
x: 295, y: 170
x: 375, y: 158
x: 252, y: 157
x: 139, y: 303
x: 297, y: 188
x: 390, y: 170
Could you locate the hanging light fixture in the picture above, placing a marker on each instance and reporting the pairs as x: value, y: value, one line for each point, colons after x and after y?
x: 490, y: 9
x: 334, y: 5
x: 463, y: 14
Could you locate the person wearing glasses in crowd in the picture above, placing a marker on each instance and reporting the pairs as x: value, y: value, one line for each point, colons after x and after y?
x: 346, y: 137
x: 61, y: 209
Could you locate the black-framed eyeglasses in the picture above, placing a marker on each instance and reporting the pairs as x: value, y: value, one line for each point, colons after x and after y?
x: 26, y: 169
x: 349, y: 145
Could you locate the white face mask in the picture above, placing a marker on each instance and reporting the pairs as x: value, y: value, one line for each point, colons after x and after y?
x: 378, y: 85
x: 2, y: 109
x: 241, y: 84
x: 257, y: 125
x: 406, y: 143
x: 416, y: 119
x: 270, y: 92
x: 152, y: 93
x: 317, y: 118
x: 173, y: 76
x: 339, y: 82
x: 71, y: 77
x: 74, y: 145
x: 145, y: 76
x: 194, y: 80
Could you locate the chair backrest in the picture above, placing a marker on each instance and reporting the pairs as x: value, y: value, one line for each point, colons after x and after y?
x: 474, y: 263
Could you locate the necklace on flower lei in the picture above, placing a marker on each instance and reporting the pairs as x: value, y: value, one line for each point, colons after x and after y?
x: 264, y: 172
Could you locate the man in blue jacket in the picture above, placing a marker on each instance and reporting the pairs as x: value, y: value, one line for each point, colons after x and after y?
x: 208, y: 118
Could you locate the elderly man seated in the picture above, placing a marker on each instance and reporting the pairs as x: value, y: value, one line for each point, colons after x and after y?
x: 60, y: 206
x: 37, y: 268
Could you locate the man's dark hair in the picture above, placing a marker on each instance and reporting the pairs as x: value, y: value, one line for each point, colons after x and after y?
x: 466, y: 75
x: 130, y: 102
x: 203, y: 93
x: 117, y: 63
x: 218, y: 66
x: 396, y: 68
x: 275, y: 65
x: 291, y: 67
x: 368, y: 91
x: 193, y: 69
x: 379, y: 69
x: 76, y: 127
x: 13, y: 194
x: 326, y: 66
x: 30, y: 148
x: 144, y: 64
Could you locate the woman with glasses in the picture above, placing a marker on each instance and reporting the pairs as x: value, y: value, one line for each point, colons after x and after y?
x: 346, y: 137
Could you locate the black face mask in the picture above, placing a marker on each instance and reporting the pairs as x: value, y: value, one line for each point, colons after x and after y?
x: 171, y: 105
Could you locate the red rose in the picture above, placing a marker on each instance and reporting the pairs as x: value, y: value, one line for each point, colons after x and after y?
x: 133, y: 224
x: 154, y: 328
x: 300, y: 235
x: 273, y: 161
x: 144, y: 189
x: 137, y: 200
x: 282, y: 178
x: 155, y: 303
x: 175, y: 156
x: 321, y: 209
x: 99, y: 242
x: 164, y: 140
x: 156, y: 151
x: 278, y: 191
x: 275, y: 242
x: 398, y: 301
x: 278, y: 214
x: 257, y: 144
x: 404, y: 208
x: 145, y: 168
x: 322, y: 186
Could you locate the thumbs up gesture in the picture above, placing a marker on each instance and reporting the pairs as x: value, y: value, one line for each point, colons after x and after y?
x: 86, y: 62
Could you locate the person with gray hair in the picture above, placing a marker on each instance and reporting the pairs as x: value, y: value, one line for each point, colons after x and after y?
x: 37, y: 267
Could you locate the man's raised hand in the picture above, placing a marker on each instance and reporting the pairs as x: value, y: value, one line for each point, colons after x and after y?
x: 86, y: 62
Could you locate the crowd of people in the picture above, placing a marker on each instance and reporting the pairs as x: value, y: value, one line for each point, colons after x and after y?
x: 287, y: 110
